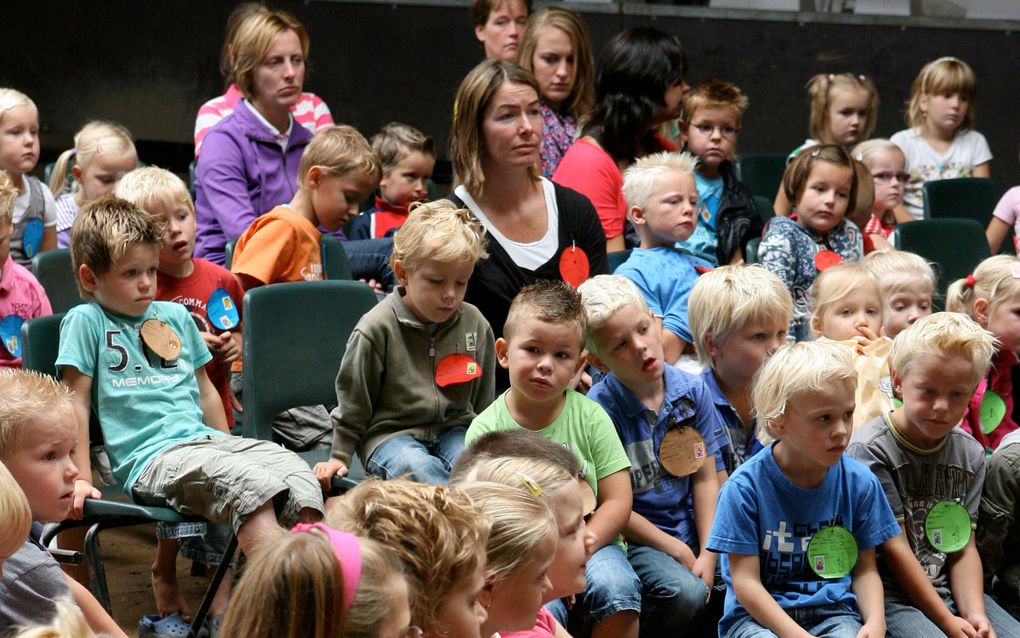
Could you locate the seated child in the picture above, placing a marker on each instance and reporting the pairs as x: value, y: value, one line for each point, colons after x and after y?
x: 1006, y: 216
x: 932, y: 473
x: 15, y: 516
x: 998, y: 530
x: 823, y: 186
x: 887, y: 165
x: 421, y: 364
x: 990, y: 296
x: 739, y: 317
x: 407, y: 156
x: 860, y: 215
x: 654, y: 407
x: 799, y: 489
x: 662, y: 204
x: 139, y: 363
x: 907, y: 284
x: 21, y: 295
x: 317, y: 581
x: 440, y: 537
x: 337, y: 171
x: 541, y: 347
x: 729, y: 217
x: 38, y: 437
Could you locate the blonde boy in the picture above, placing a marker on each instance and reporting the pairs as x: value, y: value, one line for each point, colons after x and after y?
x: 907, y: 283
x: 662, y: 203
x: 541, y: 346
x: 337, y: 171
x: 924, y: 461
x: 776, y: 503
x: 38, y: 437
x: 646, y: 398
x: 421, y: 364
x: 712, y: 113
x: 739, y: 317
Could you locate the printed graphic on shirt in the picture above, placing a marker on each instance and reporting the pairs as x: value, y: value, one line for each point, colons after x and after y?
x: 151, y: 371
x: 783, y: 556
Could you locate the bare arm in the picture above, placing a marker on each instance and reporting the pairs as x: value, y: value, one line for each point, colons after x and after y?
x: 49, y: 239
x: 209, y: 400
x: 81, y: 384
x: 616, y: 243
x: 867, y: 585
x: 966, y: 581
x: 753, y: 597
x: 98, y: 620
x: 903, y: 215
x: 781, y: 206
x: 706, y: 493
x: 615, y: 501
x: 995, y: 233
x: 982, y: 170
x: 643, y: 532
x: 672, y: 345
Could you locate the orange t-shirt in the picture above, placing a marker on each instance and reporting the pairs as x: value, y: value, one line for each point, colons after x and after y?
x: 279, y: 246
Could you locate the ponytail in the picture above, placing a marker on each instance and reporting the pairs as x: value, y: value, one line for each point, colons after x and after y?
x: 58, y: 178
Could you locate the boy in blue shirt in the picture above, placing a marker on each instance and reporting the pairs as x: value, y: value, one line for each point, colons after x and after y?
x: 799, y: 490
x: 651, y: 402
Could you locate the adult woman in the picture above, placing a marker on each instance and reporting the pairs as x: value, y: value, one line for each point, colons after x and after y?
x: 557, y: 50
x: 499, y: 25
x: 639, y: 83
x: 537, y: 230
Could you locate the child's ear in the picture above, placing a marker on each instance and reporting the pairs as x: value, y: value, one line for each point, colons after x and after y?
x: 314, y: 177
x: 582, y: 360
x: 399, y: 272
x: 897, y: 384
x: 816, y: 325
x: 76, y: 173
x: 636, y: 215
x: 597, y: 362
x: 922, y: 103
x: 501, y: 352
x: 713, y: 347
x: 485, y: 594
x: 87, y: 277
x: 980, y: 311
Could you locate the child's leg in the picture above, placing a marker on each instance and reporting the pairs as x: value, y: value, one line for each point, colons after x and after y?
x: 906, y: 621
x: 165, y: 589
x: 748, y: 627
x: 405, y: 454
x: 612, y: 597
x: 448, y: 446
x: 831, y: 621
x: 671, y: 596
x: 1002, y: 622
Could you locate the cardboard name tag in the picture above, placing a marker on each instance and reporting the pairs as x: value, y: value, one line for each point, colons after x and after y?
x: 826, y: 259
x: 947, y: 526
x: 457, y: 368
x: 682, y: 451
x: 222, y: 310
x: 574, y: 267
x: 161, y: 339
x: 10, y: 334
x: 31, y: 238
x: 832, y: 552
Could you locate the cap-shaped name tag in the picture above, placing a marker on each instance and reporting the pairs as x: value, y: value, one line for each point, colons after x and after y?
x: 222, y: 310
x: 31, y: 239
x: 682, y: 451
x: 826, y: 259
x: 574, y: 267
x: 457, y: 368
x: 992, y: 412
x: 161, y: 339
x: 10, y: 333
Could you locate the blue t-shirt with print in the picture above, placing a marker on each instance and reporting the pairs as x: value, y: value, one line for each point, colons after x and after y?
x: 665, y: 277
x: 661, y: 498
x: 761, y: 512
x: 735, y: 446
x: 702, y: 242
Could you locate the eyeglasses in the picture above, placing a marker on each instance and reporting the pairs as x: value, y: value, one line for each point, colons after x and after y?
x: 888, y: 177
x: 728, y: 132
x: 412, y: 632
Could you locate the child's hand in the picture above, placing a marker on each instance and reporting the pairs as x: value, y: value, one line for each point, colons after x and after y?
x: 867, y: 337
x: 229, y: 350
x: 959, y: 628
x: 981, y: 625
x: 704, y: 568
x: 681, y: 553
x: 872, y: 629
x: 326, y: 470
x: 376, y: 286
x: 82, y: 490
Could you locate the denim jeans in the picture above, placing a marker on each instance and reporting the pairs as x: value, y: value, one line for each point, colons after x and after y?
x: 370, y: 259
x: 672, y: 597
x: 612, y: 587
x: 907, y: 621
x: 427, y: 461
x: 830, y: 621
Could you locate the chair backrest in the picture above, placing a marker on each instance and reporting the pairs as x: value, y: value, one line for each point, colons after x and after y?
x: 335, y: 264
x: 40, y: 342
x: 956, y: 246
x: 55, y: 272
x: 228, y: 253
x: 967, y: 197
x: 616, y: 258
x: 763, y: 173
x: 764, y: 205
x: 295, y: 335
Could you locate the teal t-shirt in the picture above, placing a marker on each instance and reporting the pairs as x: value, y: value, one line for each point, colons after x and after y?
x: 703, y: 241
x: 145, y: 404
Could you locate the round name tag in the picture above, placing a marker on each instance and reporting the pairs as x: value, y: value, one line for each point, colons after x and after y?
x: 221, y: 310
x: 826, y: 259
x: 947, y: 526
x: 457, y: 368
x: 161, y: 339
x: 832, y: 552
x: 574, y: 267
x: 31, y: 239
x: 682, y: 451
x: 10, y: 334
x: 588, y: 500
x: 993, y: 410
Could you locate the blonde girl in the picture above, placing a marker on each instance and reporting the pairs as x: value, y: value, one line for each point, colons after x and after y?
x: 35, y: 212
x: 887, y: 165
x: 102, y: 153
x: 991, y: 296
x: 844, y: 108
x: 907, y: 285
x: 15, y: 516
x: 940, y: 143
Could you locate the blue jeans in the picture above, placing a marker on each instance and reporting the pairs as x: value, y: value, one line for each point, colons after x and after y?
x: 830, y: 621
x: 427, y: 461
x: 612, y: 587
x: 370, y: 259
x: 907, y: 621
x: 672, y: 597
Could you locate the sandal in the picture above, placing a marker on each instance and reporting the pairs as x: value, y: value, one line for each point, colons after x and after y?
x: 172, y: 626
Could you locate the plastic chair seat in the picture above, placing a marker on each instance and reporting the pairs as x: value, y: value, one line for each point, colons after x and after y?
x: 966, y: 197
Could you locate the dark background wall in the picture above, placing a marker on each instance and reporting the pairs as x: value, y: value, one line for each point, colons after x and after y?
x: 150, y: 64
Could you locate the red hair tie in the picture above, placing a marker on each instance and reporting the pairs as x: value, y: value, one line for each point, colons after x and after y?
x: 970, y: 281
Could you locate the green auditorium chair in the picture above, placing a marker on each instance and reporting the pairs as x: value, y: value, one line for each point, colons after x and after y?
x: 762, y: 173
x: 55, y: 272
x: 955, y: 246
x: 967, y: 197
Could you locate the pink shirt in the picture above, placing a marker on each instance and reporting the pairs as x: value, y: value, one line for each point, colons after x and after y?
x: 20, y: 294
x: 1008, y: 210
x: 310, y: 112
x: 545, y: 627
x: 589, y: 170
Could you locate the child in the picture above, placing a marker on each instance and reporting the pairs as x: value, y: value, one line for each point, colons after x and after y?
x: 662, y: 200
x: 940, y: 143
x: 823, y: 185
x: 67, y: 622
x: 541, y: 347
x: 414, y: 421
x: 103, y: 152
x: 887, y: 165
x: 932, y: 578
x: 162, y: 419
x: 907, y: 285
x: 15, y: 515
x: 1005, y: 216
x: 860, y: 215
x: 321, y: 583
x: 35, y: 212
x: 844, y: 108
x: 337, y: 171
x: 21, y: 295
x: 520, y: 550
x: 991, y: 296
x: 407, y: 156
x: 711, y: 117
x: 999, y: 526
x: 38, y: 437
x: 739, y: 317
x: 651, y: 402
x: 440, y: 536
x: 800, y: 489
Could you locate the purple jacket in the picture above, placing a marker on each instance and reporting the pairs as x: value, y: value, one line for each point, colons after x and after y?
x: 241, y: 174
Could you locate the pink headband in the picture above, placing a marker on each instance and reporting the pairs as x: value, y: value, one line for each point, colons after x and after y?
x: 348, y: 553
